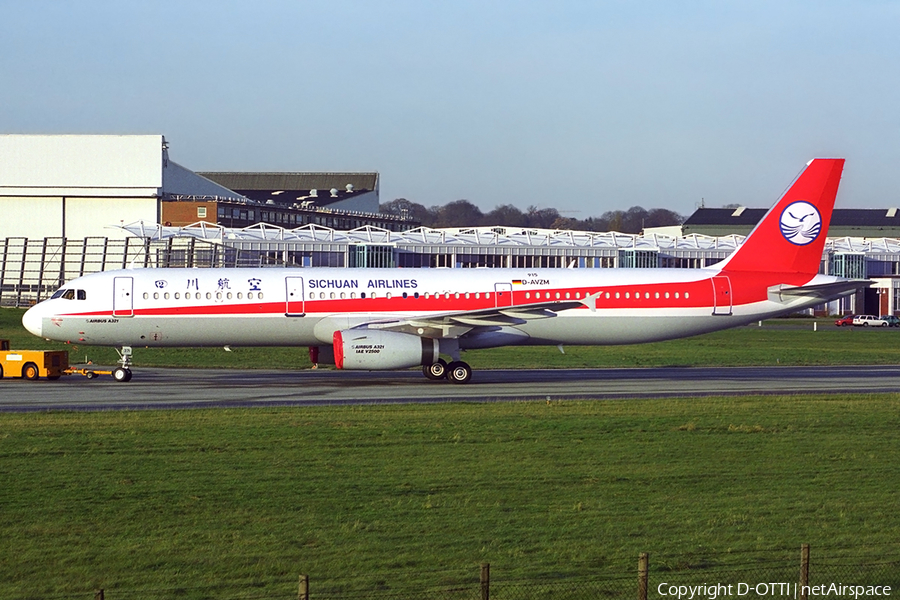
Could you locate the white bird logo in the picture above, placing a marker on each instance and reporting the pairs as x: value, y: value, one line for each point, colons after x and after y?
x: 800, y: 223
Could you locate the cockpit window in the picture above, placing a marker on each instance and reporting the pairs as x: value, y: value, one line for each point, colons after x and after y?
x: 69, y: 294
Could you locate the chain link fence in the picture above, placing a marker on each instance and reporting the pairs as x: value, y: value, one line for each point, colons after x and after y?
x: 757, y: 577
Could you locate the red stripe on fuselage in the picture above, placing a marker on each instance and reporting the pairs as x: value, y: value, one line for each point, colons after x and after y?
x: 747, y: 288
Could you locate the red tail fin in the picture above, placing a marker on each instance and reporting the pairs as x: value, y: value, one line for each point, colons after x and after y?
x: 791, y: 236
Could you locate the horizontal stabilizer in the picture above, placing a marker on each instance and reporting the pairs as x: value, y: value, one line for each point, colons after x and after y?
x: 824, y: 291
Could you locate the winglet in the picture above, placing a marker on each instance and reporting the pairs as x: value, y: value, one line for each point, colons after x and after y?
x: 591, y: 301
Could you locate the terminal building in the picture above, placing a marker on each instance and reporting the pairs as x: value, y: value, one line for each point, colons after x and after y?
x: 81, y: 204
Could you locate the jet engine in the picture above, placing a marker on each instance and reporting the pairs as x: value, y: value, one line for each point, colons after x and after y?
x: 371, y: 350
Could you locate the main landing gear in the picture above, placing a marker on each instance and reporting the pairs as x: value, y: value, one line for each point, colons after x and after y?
x: 457, y: 371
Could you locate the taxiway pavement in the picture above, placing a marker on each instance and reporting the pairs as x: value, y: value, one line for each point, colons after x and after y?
x: 209, y: 388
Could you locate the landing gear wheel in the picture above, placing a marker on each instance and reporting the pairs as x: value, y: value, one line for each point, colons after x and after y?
x: 122, y: 375
x: 459, y: 372
x: 437, y: 370
x: 30, y: 371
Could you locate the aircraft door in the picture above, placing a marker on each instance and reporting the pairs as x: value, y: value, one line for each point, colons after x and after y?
x: 721, y: 295
x: 502, y: 294
x: 123, y: 297
x: 294, y: 306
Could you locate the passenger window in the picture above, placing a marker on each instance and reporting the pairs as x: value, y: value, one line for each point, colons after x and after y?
x: 156, y: 295
x: 260, y: 295
x: 146, y: 295
x: 676, y: 295
x: 527, y: 295
x: 388, y: 295
x: 166, y: 295
x: 686, y: 295
x: 477, y: 295
x: 177, y: 296
x: 627, y: 295
x: 228, y: 295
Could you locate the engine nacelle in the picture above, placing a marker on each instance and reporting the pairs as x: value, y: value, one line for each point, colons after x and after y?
x: 372, y: 350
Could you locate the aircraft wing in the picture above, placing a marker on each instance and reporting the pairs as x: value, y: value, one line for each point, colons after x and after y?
x: 824, y: 291
x: 455, y: 324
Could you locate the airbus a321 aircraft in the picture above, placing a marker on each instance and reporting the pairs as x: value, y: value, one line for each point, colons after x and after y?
x: 398, y: 318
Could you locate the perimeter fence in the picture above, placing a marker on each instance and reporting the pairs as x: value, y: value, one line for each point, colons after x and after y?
x: 773, y: 577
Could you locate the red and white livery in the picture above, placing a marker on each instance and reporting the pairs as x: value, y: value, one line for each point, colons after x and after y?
x: 399, y: 318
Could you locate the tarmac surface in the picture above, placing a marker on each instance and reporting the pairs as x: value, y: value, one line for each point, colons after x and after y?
x: 219, y: 388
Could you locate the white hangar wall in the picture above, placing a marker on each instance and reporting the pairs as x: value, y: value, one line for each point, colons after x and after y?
x: 78, y: 186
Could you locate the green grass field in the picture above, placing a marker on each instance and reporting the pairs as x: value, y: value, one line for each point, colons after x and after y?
x: 397, y: 496
x: 198, y: 504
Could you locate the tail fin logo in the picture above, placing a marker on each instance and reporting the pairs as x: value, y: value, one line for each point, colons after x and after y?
x: 800, y: 223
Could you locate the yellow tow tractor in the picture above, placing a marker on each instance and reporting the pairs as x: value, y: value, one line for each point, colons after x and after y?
x: 32, y: 364
x: 52, y: 364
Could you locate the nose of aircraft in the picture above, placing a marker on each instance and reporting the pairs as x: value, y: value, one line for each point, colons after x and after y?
x: 31, y: 320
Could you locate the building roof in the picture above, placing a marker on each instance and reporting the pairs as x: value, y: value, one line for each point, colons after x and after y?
x: 726, y: 216
x: 841, y: 217
x: 486, y: 236
x: 288, y: 189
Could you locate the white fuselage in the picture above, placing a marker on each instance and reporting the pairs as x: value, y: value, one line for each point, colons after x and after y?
x: 295, y: 307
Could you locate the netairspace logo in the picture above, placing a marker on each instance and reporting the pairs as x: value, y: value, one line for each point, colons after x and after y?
x: 714, y: 591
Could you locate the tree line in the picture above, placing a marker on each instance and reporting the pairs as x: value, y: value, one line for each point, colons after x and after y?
x: 462, y: 213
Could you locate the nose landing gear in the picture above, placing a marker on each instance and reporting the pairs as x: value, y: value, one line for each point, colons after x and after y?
x: 122, y: 373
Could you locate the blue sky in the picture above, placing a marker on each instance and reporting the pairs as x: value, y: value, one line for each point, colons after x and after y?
x: 582, y: 106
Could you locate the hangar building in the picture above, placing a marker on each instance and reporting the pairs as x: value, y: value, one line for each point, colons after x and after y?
x: 72, y: 186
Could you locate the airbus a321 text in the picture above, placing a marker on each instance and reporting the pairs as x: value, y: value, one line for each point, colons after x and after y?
x: 398, y: 318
